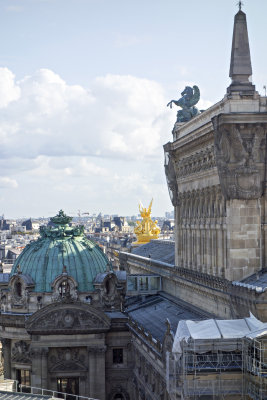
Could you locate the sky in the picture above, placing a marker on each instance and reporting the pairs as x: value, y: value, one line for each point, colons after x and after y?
x: 83, y: 91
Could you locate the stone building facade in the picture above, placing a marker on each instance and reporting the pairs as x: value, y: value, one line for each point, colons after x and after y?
x: 61, y: 323
x: 216, y: 173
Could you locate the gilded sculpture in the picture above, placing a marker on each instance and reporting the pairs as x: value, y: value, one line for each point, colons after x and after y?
x: 146, y: 229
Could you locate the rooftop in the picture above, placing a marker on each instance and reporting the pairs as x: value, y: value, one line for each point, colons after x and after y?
x: 151, y: 313
x: 159, y: 250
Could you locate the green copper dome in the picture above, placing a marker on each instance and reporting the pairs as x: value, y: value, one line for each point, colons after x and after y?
x: 59, y: 246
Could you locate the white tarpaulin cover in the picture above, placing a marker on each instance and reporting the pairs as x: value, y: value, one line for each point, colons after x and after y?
x: 218, y: 329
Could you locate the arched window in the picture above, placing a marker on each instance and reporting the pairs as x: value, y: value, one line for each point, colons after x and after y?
x: 107, y: 285
x: 18, y: 288
x: 64, y: 288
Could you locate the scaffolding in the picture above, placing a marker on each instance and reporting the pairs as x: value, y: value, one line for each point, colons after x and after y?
x: 218, y: 369
x: 255, y: 368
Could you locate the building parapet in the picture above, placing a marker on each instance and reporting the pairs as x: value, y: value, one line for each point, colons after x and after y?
x: 139, y: 331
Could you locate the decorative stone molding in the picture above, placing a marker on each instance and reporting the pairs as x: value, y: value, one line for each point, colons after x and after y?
x: 170, y: 173
x: 240, y: 150
x: 21, y: 352
x: 202, y: 160
x: 97, y: 349
x: 67, y: 318
x: 20, y: 285
x: 67, y: 359
x: 71, y: 287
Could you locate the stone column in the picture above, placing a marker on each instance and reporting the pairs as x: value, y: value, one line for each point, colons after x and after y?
x: 6, y: 352
x: 96, y: 363
x: 36, y: 376
x: 44, y: 355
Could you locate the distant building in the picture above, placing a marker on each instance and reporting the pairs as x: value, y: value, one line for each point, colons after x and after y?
x: 31, y: 225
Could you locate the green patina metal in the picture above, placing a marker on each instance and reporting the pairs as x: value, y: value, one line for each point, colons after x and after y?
x: 61, y: 245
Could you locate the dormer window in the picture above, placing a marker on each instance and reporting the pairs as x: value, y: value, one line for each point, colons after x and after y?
x: 64, y: 288
x: 18, y: 288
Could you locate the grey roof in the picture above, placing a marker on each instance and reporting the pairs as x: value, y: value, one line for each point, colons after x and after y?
x: 255, y: 281
x: 159, y: 250
x: 4, y: 278
x: 115, y: 314
x: 121, y: 275
x: 152, y: 312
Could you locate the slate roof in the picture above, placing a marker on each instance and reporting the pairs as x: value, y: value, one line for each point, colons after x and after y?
x: 151, y: 313
x: 4, y: 277
x: 256, y: 281
x: 159, y: 250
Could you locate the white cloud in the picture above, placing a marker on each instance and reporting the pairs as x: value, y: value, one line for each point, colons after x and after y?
x: 9, y: 91
x: 103, y: 144
x: 6, y: 182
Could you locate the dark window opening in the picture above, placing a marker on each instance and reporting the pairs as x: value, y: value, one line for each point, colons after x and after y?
x: 118, y: 396
x: 117, y: 356
x: 69, y: 386
x: 64, y: 288
x: 107, y: 286
x: 23, y: 377
x: 18, y: 289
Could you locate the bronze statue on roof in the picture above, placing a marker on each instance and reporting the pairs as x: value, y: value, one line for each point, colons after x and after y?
x: 190, y: 97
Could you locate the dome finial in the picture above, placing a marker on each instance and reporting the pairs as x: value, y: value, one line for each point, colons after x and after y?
x: 61, y: 218
x: 240, y: 4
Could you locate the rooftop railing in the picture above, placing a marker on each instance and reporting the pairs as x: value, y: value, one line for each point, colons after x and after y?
x: 52, y: 393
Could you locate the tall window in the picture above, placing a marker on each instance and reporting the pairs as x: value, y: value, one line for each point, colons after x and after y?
x: 117, y: 356
x: 24, y: 379
x: 18, y: 289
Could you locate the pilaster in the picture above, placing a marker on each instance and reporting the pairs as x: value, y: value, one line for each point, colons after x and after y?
x: 6, y: 351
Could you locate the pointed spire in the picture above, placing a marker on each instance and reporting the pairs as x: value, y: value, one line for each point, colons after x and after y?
x: 240, y: 67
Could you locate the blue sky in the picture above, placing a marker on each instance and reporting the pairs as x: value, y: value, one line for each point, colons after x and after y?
x: 83, y: 92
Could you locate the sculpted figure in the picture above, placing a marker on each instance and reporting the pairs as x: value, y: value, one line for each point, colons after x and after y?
x: 146, y: 229
x: 190, y: 97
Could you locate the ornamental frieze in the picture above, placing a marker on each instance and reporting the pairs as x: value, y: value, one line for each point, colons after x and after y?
x: 240, y: 151
x: 67, y: 359
x: 200, y: 161
x: 21, y: 352
x: 67, y: 318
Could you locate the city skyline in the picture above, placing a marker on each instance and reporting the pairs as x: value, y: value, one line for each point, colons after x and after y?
x: 83, y: 96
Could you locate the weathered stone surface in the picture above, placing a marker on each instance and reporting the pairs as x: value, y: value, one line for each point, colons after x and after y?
x: 67, y: 318
x: 240, y: 150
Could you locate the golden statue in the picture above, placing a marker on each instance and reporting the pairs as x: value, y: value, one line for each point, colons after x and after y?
x: 146, y: 229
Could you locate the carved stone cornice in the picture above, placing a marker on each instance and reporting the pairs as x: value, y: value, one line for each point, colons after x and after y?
x: 240, y: 150
x: 97, y: 349
x: 67, y: 318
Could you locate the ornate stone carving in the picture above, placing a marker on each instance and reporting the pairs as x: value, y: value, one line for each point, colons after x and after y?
x: 21, y: 352
x: 200, y: 161
x: 97, y: 349
x: 171, y: 176
x: 67, y: 359
x: 168, y: 340
x: 240, y: 150
x: 67, y: 318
